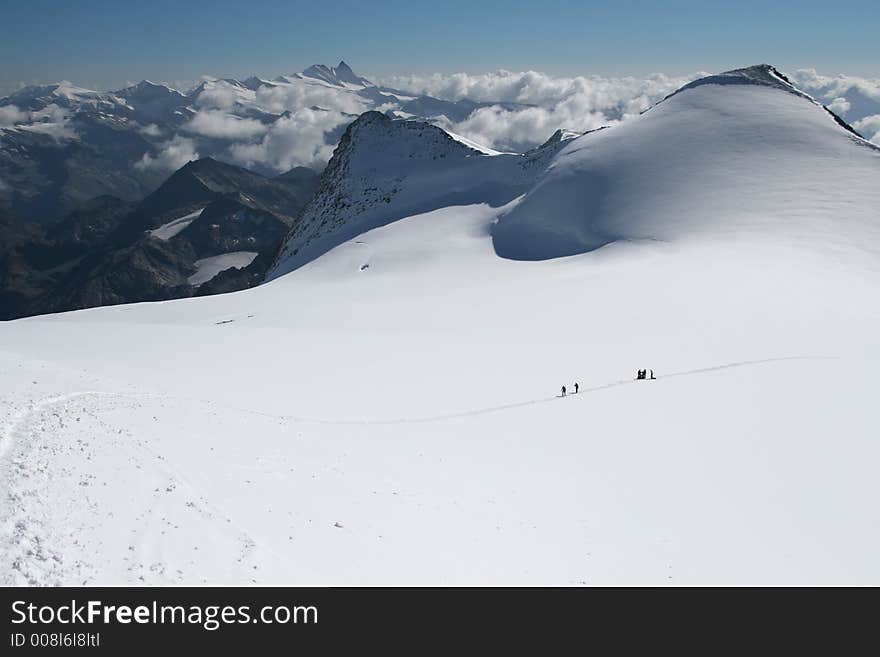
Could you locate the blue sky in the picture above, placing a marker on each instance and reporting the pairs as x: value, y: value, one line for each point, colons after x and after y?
x: 104, y: 44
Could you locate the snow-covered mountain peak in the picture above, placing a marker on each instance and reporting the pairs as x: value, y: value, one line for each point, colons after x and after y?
x: 738, y: 155
x: 253, y: 83
x: 147, y: 84
x: 345, y: 74
x: 728, y: 239
x: 415, y: 140
x: 147, y: 90
x: 63, y: 94
x: 150, y: 101
x: 759, y: 74
x: 385, y: 169
x: 340, y: 76
x: 743, y: 153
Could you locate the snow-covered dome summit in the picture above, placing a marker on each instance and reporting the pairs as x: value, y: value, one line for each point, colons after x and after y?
x: 758, y: 75
x: 743, y: 152
x: 738, y: 155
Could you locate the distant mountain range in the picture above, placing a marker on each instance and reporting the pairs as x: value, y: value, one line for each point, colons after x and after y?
x: 391, y: 406
x: 89, y: 215
x: 133, y: 195
x: 61, y: 145
x: 577, y: 193
x: 211, y: 227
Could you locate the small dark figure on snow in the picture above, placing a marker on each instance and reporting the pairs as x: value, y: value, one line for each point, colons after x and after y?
x: 576, y: 386
x: 652, y: 375
x: 640, y: 375
x: 563, y: 391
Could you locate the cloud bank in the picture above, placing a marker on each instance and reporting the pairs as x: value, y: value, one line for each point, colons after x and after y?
x: 577, y: 103
x: 220, y: 124
x: 280, y: 126
x: 296, y: 139
x: 297, y: 122
x: 11, y: 115
x: 172, y: 155
x: 869, y: 127
x: 835, y: 86
x: 277, y: 126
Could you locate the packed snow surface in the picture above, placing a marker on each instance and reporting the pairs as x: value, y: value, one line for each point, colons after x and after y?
x: 208, y: 268
x: 389, y: 412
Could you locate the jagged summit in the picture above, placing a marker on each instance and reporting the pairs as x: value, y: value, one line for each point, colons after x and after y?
x: 340, y: 76
x: 345, y: 74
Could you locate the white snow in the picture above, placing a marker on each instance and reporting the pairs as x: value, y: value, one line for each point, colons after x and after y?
x: 208, y: 268
x: 387, y: 412
x: 710, y: 160
x: 485, y: 150
x: 168, y: 230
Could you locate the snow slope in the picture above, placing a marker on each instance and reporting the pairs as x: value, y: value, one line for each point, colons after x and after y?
x: 388, y: 412
x: 385, y: 169
x: 756, y: 156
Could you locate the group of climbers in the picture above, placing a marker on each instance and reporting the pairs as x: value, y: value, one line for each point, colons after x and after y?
x: 565, y: 390
x: 640, y: 376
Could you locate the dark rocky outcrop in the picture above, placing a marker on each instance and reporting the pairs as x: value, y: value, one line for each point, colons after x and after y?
x: 108, y: 251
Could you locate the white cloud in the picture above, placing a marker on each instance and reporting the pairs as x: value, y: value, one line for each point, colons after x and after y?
x: 870, y: 128
x: 298, y: 95
x: 835, y: 86
x: 857, y: 98
x: 518, y: 130
x: 533, y: 87
x: 151, y: 130
x: 299, y: 137
x: 218, y: 94
x: 172, y: 155
x: 839, y: 106
x: 11, y: 115
x: 296, y: 139
x: 577, y: 103
x: 217, y: 123
x: 52, y: 120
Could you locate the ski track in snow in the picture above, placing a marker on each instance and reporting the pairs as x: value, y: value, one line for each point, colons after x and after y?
x: 35, y: 526
x: 7, y: 441
x: 530, y: 402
